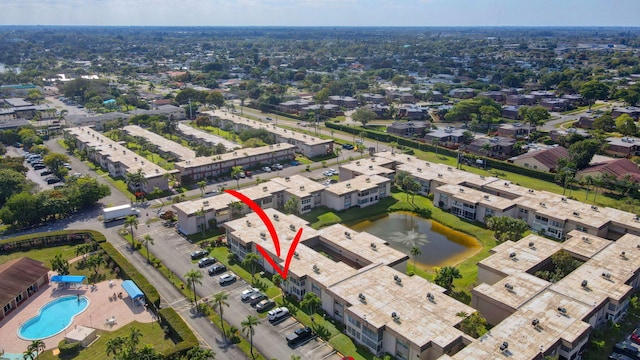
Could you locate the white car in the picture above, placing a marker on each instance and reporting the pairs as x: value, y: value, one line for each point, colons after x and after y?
x: 266, y: 169
x: 277, y: 314
x: 226, y: 279
x: 246, y: 294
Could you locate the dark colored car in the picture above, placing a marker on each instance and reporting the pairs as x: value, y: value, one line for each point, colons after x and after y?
x: 299, y: 336
x: 217, y: 269
x: 347, y: 146
x: 46, y: 172
x: 199, y: 254
x: 256, y: 298
x: 265, y: 305
x: 53, y: 180
x: 39, y: 167
x: 206, y: 262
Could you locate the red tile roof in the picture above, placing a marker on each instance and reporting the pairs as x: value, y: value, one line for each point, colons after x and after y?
x: 618, y: 168
x: 17, y: 275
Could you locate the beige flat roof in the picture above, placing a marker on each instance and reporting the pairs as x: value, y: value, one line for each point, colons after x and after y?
x: 161, y: 142
x: 272, y: 128
x: 230, y: 156
x: 213, y: 203
x: 369, y: 166
x: 514, y: 290
x: 360, y: 243
x: 610, y: 259
x: 207, y: 137
x: 358, y: 183
x: 598, y: 288
x: 299, y: 186
x: 583, y: 244
x: 421, y: 320
x: 524, y: 339
x: 473, y: 196
x: 116, y: 152
x: 525, y: 258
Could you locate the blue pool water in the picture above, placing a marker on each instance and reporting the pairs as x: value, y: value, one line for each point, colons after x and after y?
x: 54, y: 317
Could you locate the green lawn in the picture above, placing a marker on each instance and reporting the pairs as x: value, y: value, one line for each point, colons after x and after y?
x: 152, y: 335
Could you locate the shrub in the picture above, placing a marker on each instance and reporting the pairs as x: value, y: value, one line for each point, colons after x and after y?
x: 68, y: 348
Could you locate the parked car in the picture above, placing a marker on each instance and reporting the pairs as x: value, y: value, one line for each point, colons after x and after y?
x: 242, y: 175
x: 206, y: 262
x: 295, y: 163
x: 217, y: 269
x: 246, y: 294
x: 278, y: 314
x: 46, y: 172
x: 226, y: 279
x: 256, y: 298
x: 635, y: 336
x: 39, y: 167
x: 266, y: 169
x: 52, y: 180
x: 199, y: 254
x: 277, y: 166
x: 268, y: 118
x: 34, y: 164
x: 347, y: 146
x: 247, y: 173
x: 299, y: 336
x: 67, y: 165
x: 265, y: 305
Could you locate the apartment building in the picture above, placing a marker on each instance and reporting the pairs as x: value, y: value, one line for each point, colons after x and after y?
x: 164, y: 146
x: 117, y: 159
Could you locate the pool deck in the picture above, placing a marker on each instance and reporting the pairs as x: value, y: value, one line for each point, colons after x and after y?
x: 101, y: 307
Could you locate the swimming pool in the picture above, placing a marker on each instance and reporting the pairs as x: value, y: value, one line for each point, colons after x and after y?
x: 53, y: 317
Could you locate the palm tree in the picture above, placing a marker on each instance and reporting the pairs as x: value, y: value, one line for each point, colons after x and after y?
x: 220, y: 301
x: 486, y: 147
x: 235, y: 173
x: 446, y: 275
x: 193, y: 277
x: 134, y: 339
x: 131, y: 222
x: 415, y: 251
x: 236, y: 209
x: 251, y: 260
x: 311, y: 301
x: 114, y: 346
x: 277, y: 281
x: 248, y: 326
x: 36, y: 346
x: 146, y: 240
x: 198, y: 353
x: 136, y: 179
x: 202, y: 185
x: 337, y: 151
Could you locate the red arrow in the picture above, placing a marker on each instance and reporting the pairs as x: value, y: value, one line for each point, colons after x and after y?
x: 274, y: 236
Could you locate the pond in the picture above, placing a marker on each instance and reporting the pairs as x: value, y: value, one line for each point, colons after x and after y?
x: 440, y: 245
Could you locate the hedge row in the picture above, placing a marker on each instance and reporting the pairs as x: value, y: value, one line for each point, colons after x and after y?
x: 48, y: 239
x: 178, y: 330
x: 128, y: 271
x: 389, y: 138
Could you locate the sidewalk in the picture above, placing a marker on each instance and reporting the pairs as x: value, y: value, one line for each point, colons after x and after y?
x: 208, y: 334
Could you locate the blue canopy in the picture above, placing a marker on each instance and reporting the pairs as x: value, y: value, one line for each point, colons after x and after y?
x: 68, y: 278
x: 132, y: 289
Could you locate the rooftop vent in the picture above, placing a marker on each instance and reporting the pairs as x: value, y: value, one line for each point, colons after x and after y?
x: 486, y: 197
x: 248, y: 223
x: 543, y: 204
x: 276, y: 217
x: 575, y: 213
x: 427, y: 164
x: 564, y: 199
x: 370, y: 167
x: 506, y: 184
x: 347, y: 234
x: 531, y: 244
x: 636, y: 218
x: 362, y: 297
x: 461, y: 190
x: 357, y: 162
x: 512, y: 255
x: 449, y: 168
x: 292, y: 227
x: 594, y: 208
x: 419, y: 169
x: 430, y: 296
x: 439, y: 175
x: 349, y: 185
x: 287, y: 179
x: 504, y: 346
x: 586, y: 239
x: 368, y: 180
x: 584, y: 283
x: 562, y: 310
x: 623, y: 255
x: 397, y: 279
x: 395, y: 316
x: 264, y: 188
x: 206, y: 202
x: 374, y: 246
x: 316, y: 268
x: 481, y: 177
x: 296, y: 255
x: 606, y: 275
x: 263, y: 235
x: 508, y: 286
x: 302, y: 188
x: 531, y: 191
x: 408, y: 158
x: 535, y: 322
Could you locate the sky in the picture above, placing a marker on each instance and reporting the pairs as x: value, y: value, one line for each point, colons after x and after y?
x: 321, y: 12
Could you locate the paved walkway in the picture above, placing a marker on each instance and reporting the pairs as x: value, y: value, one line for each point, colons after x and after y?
x: 101, y: 306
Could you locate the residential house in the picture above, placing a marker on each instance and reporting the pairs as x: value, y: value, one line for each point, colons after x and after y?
x: 622, y: 147
x: 293, y: 106
x: 521, y: 99
x: 556, y: 134
x: 374, y: 98
x: 554, y: 104
x: 448, y: 137
x: 541, y: 160
x: 411, y: 112
x: 343, y: 101
x: 510, y: 112
x: 575, y: 99
x: 499, y: 147
x: 380, y: 110
x: 409, y: 128
x: 632, y: 111
x: 586, y: 122
x: 497, y: 96
x: 618, y: 168
x: 462, y: 93
x: 515, y: 131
